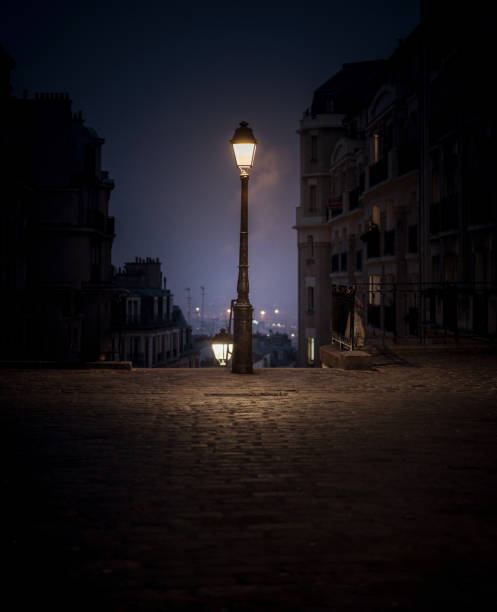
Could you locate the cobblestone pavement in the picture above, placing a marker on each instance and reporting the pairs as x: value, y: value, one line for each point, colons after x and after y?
x: 286, y: 490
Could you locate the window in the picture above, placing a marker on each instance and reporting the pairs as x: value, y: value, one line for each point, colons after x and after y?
x: 375, y: 148
x: 389, y: 242
x: 450, y: 267
x: 435, y: 268
x: 343, y: 261
x: 435, y: 182
x: 412, y: 239
x: 330, y: 105
x: 376, y: 215
x: 164, y: 308
x: 133, y: 310
x: 358, y: 261
x: 312, y: 198
x: 314, y: 148
x: 374, y: 289
x: 310, y: 351
x: 310, y: 247
x: 156, y: 307
x: 310, y: 299
x: 335, y: 262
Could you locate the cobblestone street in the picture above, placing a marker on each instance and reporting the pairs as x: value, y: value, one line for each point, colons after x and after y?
x: 290, y: 489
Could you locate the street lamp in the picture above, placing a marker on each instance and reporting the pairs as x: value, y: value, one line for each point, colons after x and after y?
x: 244, y: 145
x: 222, y: 345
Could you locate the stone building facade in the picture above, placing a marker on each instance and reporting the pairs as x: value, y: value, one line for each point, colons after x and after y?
x: 149, y: 330
x: 398, y: 205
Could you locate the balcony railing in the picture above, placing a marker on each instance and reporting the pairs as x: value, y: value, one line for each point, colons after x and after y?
x: 378, y: 172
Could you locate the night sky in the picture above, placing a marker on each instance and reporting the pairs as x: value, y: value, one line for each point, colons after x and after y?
x: 166, y: 84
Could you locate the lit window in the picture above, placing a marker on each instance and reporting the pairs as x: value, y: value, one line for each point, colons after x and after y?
x: 310, y: 351
x: 375, y: 148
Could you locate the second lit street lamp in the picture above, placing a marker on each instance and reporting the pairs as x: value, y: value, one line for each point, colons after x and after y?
x: 244, y: 145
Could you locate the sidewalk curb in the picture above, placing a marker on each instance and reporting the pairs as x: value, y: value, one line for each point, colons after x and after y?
x: 54, y: 365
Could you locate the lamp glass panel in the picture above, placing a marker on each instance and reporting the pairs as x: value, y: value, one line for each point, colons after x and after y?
x: 221, y: 351
x: 244, y: 154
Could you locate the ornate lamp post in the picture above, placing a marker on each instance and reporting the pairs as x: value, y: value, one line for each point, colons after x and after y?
x: 244, y: 145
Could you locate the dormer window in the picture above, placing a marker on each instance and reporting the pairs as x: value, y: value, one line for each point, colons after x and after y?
x: 330, y: 105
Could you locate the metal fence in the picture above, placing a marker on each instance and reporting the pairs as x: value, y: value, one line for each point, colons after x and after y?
x: 412, y: 312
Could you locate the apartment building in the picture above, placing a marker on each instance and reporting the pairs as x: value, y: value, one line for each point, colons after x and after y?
x: 398, y: 209
x: 56, y: 232
x: 149, y: 330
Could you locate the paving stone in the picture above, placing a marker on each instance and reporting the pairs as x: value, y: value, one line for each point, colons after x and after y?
x: 290, y: 489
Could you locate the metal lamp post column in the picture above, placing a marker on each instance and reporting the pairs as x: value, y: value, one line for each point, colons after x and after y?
x: 242, y: 309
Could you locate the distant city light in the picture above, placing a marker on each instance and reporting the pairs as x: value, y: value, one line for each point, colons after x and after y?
x: 255, y: 322
x: 197, y: 309
x: 228, y: 310
x: 292, y: 335
x: 262, y: 313
x: 276, y: 311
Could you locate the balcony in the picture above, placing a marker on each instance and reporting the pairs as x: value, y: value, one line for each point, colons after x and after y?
x: 378, y: 172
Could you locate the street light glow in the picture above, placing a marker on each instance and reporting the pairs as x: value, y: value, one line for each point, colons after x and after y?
x: 244, y: 145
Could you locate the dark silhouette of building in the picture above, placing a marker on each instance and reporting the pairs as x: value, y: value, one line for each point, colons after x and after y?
x: 149, y: 329
x: 273, y: 350
x: 56, y: 241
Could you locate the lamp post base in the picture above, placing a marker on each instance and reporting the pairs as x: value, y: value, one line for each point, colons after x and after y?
x: 242, y: 339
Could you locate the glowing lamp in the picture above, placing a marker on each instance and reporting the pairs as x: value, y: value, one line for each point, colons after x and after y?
x: 244, y: 145
x: 222, y: 345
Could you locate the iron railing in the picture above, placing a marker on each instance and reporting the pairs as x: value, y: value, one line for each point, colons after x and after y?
x: 407, y: 313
